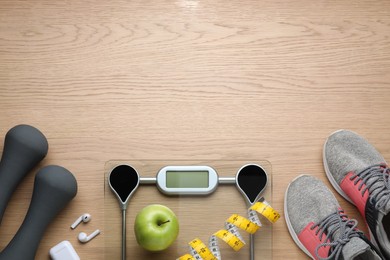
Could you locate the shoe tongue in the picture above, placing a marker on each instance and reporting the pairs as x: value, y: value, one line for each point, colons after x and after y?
x: 354, y: 248
x: 377, y: 191
x: 386, y: 209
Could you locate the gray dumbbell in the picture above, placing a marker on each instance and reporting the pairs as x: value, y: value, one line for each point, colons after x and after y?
x: 24, y: 147
x: 54, y: 187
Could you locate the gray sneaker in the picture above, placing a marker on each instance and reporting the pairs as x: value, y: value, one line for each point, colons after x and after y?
x: 320, y: 227
x: 361, y: 175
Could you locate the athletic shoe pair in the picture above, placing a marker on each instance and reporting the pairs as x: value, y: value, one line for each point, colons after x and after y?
x: 315, y: 219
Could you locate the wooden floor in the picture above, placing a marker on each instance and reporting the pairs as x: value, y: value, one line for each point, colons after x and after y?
x: 189, y: 79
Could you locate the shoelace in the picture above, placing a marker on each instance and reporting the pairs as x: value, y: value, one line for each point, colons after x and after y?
x: 377, y: 182
x: 339, y: 231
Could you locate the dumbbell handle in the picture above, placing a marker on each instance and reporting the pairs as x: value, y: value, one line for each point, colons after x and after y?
x: 54, y: 187
x: 24, y: 147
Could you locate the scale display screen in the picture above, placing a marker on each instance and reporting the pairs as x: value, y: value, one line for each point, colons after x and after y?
x: 187, y: 179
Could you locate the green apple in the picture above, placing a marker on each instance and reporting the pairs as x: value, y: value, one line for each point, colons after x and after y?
x: 156, y: 227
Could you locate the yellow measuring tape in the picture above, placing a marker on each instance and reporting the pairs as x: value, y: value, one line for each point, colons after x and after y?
x: 230, y: 235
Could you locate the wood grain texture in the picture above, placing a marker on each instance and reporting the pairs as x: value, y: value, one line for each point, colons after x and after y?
x: 121, y: 80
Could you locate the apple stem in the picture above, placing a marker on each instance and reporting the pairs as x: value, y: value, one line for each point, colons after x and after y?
x: 162, y: 223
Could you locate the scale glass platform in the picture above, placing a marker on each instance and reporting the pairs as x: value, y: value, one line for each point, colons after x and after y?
x: 199, y: 215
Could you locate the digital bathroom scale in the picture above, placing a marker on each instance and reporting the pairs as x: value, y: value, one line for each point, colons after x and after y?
x: 201, y: 193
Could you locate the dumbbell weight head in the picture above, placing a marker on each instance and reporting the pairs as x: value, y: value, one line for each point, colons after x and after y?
x: 24, y: 147
x: 54, y: 188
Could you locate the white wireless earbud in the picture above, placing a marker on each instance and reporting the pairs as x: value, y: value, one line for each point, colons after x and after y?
x: 84, y: 218
x: 84, y: 238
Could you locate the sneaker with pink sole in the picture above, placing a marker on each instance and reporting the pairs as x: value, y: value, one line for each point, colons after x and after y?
x: 320, y: 227
x: 361, y: 175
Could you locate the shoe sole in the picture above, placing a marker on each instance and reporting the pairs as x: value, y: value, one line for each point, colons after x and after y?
x: 289, y: 225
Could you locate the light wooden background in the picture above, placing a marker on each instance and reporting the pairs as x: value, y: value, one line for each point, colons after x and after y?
x: 189, y: 79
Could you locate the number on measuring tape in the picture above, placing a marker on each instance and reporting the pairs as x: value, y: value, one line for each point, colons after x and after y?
x: 243, y: 223
x: 266, y: 210
x: 231, y: 235
x: 230, y: 239
x: 202, y: 249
